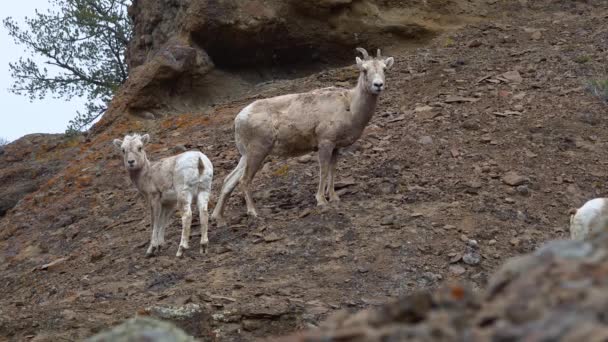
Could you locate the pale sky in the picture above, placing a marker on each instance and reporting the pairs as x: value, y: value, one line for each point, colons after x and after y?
x: 18, y: 115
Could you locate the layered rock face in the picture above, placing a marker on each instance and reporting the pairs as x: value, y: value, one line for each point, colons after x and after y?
x: 178, y: 43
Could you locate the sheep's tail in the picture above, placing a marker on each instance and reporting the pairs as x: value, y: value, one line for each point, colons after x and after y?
x: 205, y: 169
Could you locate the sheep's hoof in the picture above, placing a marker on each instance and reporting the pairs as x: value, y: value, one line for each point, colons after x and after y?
x: 203, y: 249
x: 322, y: 204
x: 150, y: 252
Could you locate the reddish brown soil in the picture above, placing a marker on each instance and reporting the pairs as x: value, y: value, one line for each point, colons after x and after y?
x: 415, y: 188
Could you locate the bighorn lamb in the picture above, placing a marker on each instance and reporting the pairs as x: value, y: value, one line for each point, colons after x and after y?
x: 169, y: 184
x: 290, y: 125
x: 589, y: 219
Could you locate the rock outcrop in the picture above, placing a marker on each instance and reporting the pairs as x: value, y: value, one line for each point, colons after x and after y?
x: 177, y: 44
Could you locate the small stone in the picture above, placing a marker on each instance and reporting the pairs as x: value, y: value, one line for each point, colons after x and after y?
x: 536, y: 35
x: 492, y: 242
x: 272, y: 237
x: 388, y: 220
x: 305, y: 159
x: 252, y: 324
x: 515, y: 241
x: 54, y: 264
x: 423, y: 109
x: 426, y: 140
x: 509, y: 200
x: 471, y: 258
x: 474, y: 43
x: 305, y: 213
x: 393, y: 245
x: 457, y: 269
x: 486, y: 138
x: 523, y: 190
x: 179, y: 149
x: 514, y: 179
x: 470, y: 125
x: 456, y: 258
x: 512, y: 76
x: 96, y: 255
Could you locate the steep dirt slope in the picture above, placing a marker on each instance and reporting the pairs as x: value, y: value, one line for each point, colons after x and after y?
x: 462, y: 148
x: 31, y: 161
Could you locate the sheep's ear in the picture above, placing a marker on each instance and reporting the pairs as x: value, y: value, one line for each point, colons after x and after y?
x: 145, y: 138
x: 117, y: 143
x: 359, y: 62
x: 389, y: 62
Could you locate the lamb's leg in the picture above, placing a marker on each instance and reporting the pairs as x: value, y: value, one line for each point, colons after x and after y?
x: 155, y: 209
x: 325, y: 152
x: 333, y: 197
x: 252, y: 165
x: 229, y: 184
x: 185, y: 205
x: 165, y: 217
x: 201, y: 201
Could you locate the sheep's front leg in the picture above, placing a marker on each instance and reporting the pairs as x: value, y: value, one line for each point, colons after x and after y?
x: 155, y: 211
x: 325, y: 152
x: 333, y: 197
x: 185, y: 204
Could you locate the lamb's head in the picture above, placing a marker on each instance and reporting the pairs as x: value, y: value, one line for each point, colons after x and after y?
x: 132, y: 148
x: 372, y: 70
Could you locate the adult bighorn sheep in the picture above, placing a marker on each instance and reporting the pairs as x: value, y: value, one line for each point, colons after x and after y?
x: 290, y: 125
x: 169, y: 184
x: 591, y: 218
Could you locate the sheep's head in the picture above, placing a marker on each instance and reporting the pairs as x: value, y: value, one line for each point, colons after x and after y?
x: 372, y: 70
x: 132, y: 149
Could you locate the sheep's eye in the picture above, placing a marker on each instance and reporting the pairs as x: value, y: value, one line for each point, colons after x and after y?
x: 139, y: 149
x: 123, y: 150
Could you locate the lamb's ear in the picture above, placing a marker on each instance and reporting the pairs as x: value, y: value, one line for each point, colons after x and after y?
x: 145, y: 138
x: 117, y: 143
x: 389, y: 62
x: 359, y: 63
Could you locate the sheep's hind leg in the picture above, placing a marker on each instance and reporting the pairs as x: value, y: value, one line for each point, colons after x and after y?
x: 254, y: 161
x: 230, y: 183
x: 185, y: 204
x: 202, y: 201
x: 325, y: 154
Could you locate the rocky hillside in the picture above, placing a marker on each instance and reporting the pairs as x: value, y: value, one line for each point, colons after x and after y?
x: 483, y: 141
